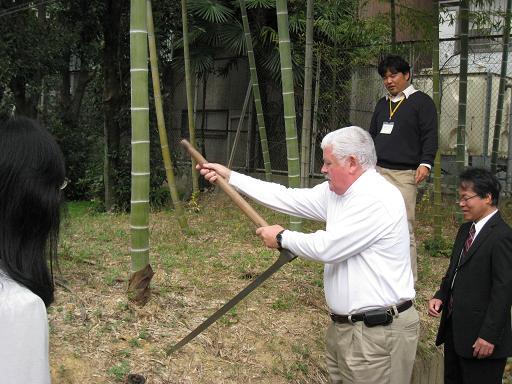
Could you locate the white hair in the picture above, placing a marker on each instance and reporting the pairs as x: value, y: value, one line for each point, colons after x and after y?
x: 353, y: 141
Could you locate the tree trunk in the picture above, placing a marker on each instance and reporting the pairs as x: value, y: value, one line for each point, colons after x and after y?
x: 111, y: 99
x: 501, y: 94
x: 25, y: 103
x: 138, y: 287
x: 164, y: 145
x: 308, y: 90
x: 256, y: 93
x: 285, y: 56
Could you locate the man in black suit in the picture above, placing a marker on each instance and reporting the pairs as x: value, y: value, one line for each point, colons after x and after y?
x: 475, y: 296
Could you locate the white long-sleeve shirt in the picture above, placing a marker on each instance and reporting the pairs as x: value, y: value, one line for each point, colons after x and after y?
x: 365, y: 244
x: 23, y: 335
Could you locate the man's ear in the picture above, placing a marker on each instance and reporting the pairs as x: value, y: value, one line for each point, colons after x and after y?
x: 353, y: 162
x: 408, y: 76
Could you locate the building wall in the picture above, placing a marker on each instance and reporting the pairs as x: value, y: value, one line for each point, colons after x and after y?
x: 223, y: 105
x: 380, y: 7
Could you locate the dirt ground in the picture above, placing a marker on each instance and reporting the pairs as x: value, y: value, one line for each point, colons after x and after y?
x: 274, y: 336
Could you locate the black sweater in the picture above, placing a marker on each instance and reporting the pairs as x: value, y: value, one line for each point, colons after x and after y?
x: 413, y: 139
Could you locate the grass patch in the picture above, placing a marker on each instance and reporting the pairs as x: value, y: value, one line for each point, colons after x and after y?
x: 120, y: 370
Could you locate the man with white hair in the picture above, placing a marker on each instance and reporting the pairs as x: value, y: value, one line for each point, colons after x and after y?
x: 368, y: 280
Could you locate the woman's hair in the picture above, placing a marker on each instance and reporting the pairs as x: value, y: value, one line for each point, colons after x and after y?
x: 31, y: 174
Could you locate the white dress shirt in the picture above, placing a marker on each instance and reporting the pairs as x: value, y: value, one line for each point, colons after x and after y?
x: 23, y: 335
x: 365, y: 244
x: 480, y: 223
x: 405, y: 93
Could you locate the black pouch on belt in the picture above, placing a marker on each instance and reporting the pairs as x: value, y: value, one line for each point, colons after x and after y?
x: 377, y: 317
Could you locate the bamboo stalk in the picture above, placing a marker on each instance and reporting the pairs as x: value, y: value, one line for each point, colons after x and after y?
x: 139, y: 213
x: 162, y: 132
x: 256, y: 93
x: 501, y: 92
x: 438, y: 217
x: 188, y: 86
x: 285, y: 56
x: 308, y: 91
x: 239, y: 126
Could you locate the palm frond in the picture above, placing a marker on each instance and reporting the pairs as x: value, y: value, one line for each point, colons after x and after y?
x: 201, y: 60
x: 232, y: 38
x: 251, y: 4
x: 194, y: 34
x: 213, y: 11
x: 297, y: 23
x: 268, y: 36
x: 271, y: 64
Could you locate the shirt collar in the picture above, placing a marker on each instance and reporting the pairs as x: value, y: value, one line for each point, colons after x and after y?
x: 360, y: 182
x: 480, y: 223
x: 406, y: 92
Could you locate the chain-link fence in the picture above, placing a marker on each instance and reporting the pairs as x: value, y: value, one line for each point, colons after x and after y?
x: 347, y: 94
x: 348, y: 97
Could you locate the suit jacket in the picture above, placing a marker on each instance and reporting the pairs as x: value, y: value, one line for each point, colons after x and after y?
x: 482, y: 291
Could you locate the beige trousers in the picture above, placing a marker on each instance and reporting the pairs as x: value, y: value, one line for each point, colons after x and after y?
x: 405, y: 182
x: 384, y: 354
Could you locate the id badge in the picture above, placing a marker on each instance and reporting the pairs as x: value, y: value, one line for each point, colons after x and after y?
x: 387, y: 127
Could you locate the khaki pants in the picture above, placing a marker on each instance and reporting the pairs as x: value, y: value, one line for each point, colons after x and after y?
x: 405, y: 182
x: 384, y: 354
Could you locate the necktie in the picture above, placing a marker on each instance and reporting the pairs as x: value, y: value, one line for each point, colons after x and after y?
x: 469, y: 240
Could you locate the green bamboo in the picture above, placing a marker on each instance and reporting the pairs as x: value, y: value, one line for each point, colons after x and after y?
x: 164, y: 145
x: 502, y: 88
x: 315, y: 111
x: 463, y: 86
x: 463, y: 93
x: 256, y: 93
x: 139, y: 213
x: 285, y: 56
x: 188, y: 84
x: 239, y: 126
x: 438, y: 209
x: 308, y: 91
x: 392, y: 17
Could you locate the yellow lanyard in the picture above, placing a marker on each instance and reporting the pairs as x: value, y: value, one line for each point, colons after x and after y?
x: 392, y: 111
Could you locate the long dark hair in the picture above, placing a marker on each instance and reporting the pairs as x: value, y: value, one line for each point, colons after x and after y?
x: 31, y: 174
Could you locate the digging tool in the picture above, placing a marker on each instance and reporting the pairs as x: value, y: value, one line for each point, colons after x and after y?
x: 285, y: 256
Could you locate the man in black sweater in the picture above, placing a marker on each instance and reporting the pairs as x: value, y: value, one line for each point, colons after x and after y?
x: 404, y: 130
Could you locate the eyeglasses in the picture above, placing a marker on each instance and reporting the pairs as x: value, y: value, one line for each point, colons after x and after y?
x: 465, y: 199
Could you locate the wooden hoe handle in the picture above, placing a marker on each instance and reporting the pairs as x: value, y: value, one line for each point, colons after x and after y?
x: 230, y: 191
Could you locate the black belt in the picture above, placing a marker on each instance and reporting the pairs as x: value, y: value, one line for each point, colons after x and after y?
x: 344, y: 319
